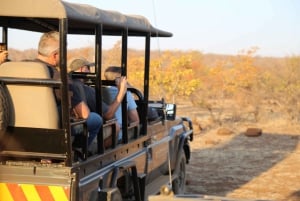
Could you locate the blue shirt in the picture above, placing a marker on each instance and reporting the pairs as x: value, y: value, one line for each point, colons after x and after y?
x: 109, y: 95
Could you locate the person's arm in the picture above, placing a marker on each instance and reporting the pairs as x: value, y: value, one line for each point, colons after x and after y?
x: 81, y: 110
x: 112, y: 108
x: 133, y: 116
x: 78, y: 100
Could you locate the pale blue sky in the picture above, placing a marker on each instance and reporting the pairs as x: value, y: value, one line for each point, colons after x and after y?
x: 216, y: 26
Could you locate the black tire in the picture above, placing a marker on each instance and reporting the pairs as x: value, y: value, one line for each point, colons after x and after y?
x: 178, y: 184
x: 4, y: 109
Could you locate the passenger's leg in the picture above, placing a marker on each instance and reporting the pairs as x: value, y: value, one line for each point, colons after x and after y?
x: 94, y: 122
x: 108, y: 141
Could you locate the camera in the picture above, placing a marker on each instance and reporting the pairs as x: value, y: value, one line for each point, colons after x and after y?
x: 3, y: 47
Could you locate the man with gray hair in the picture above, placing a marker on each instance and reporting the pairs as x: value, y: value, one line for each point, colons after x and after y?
x: 48, y: 53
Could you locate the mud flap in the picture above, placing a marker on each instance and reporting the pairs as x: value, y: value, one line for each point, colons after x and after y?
x: 187, y: 150
x: 110, y: 194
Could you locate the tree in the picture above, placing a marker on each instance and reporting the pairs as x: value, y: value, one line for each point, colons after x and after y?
x: 175, y: 78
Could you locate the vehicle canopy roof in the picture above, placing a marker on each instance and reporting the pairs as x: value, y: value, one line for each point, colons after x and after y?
x: 42, y: 16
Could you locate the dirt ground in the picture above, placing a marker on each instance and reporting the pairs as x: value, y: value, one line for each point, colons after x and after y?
x: 231, y: 164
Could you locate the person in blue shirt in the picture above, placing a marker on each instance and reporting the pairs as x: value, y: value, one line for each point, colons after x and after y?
x: 114, y: 73
x: 110, y: 109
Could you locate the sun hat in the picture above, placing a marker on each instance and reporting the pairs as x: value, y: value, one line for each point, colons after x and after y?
x: 75, y: 63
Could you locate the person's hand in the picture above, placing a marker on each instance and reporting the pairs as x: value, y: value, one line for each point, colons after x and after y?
x: 3, y: 56
x: 122, y: 87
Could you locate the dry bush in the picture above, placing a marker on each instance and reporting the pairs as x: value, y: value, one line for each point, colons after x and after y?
x: 230, y: 88
x: 281, y: 86
x: 238, y: 89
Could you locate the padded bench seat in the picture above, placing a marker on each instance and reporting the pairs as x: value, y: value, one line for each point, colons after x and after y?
x: 30, y: 106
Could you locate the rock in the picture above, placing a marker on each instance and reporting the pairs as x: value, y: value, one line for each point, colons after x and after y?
x: 253, y: 132
x: 224, y: 131
x: 211, y: 142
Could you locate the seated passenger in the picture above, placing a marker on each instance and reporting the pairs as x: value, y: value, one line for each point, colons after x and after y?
x: 48, y: 53
x: 114, y: 73
x: 109, y: 110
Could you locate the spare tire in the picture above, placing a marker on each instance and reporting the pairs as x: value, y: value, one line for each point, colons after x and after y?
x: 4, y: 109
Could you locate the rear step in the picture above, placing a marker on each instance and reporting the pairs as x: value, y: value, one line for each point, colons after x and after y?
x: 151, y: 189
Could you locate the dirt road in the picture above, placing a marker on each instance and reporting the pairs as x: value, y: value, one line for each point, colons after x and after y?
x: 234, y: 165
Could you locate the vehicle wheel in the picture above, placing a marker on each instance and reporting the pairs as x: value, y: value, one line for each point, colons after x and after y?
x: 4, y: 109
x: 178, y: 184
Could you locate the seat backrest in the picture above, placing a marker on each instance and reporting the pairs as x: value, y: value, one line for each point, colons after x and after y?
x: 30, y: 106
x: 109, y: 94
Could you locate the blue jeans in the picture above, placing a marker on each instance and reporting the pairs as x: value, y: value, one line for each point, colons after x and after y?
x: 94, y: 122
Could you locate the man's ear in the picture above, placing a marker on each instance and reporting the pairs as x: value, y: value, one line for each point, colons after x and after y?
x: 54, y: 58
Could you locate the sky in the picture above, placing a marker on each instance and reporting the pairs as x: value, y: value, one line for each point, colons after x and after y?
x: 213, y: 26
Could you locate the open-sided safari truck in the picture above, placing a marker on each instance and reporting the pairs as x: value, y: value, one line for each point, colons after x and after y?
x: 37, y: 158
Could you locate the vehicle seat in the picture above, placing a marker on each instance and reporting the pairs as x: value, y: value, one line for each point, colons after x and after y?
x: 108, y: 98
x: 30, y: 106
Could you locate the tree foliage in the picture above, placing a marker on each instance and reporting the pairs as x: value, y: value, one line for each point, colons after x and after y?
x: 244, y: 81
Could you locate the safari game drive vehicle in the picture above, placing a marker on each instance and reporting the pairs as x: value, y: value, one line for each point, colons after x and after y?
x: 38, y: 160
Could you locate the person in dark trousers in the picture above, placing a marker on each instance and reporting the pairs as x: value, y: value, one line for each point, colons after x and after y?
x: 48, y: 53
x: 109, y: 109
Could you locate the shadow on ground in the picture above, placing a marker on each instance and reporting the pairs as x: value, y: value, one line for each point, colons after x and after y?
x: 225, y: 167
